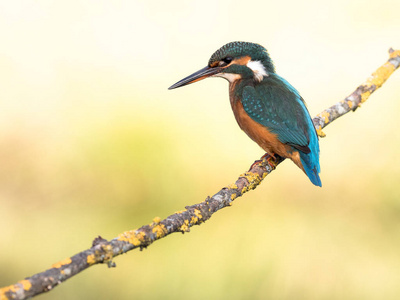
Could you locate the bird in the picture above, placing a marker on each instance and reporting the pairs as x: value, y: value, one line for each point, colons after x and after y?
x: 266, y: 106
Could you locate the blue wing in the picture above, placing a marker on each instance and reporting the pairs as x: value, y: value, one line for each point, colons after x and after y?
x: 278, y: 106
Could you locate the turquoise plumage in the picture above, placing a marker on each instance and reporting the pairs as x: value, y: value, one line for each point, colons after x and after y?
x: 278, y: 106
x: 266, y: 106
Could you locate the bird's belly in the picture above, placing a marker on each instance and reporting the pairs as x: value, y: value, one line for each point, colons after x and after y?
x: 257, y: 132
x: 262, y: 136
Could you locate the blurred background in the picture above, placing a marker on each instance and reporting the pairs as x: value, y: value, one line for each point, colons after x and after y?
x: 92, y: 143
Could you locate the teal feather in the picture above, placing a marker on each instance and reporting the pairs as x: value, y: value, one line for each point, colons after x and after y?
x: 277, y: 105
x: 269, y: 100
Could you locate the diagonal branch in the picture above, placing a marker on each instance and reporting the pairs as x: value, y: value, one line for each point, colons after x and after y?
x: 104, y: 251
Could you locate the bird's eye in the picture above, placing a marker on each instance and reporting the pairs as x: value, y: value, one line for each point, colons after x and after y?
x: 227, y: 60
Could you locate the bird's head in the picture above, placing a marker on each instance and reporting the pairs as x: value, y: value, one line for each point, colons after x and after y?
x: 233, y: 61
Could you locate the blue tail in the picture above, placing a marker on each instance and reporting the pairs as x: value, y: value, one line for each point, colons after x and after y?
x: 310, y: 163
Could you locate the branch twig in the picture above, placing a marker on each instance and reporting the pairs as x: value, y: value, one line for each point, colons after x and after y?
x: 104, y: 251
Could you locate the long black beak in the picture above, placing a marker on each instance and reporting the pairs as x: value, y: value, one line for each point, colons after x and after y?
x: 197, y: 76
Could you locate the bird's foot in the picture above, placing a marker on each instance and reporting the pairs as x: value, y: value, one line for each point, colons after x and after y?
x: 265, y: 159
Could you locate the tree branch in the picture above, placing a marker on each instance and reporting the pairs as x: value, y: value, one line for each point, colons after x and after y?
x: 104, y: 251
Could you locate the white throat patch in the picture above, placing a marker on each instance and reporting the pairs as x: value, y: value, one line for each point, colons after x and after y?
x: 228, y: 76
x: 258, y: 69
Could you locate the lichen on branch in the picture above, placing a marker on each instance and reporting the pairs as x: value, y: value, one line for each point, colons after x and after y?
x: 103, y: 251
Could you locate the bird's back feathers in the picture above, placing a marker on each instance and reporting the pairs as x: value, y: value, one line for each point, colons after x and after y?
x: 275, y: 104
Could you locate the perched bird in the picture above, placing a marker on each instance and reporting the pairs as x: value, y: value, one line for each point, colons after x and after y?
x: 267, y: 108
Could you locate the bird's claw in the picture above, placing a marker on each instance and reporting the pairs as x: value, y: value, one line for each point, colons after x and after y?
x: 264, y: 160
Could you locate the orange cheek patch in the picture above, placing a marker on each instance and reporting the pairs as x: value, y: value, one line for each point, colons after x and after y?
x: 242, y: 60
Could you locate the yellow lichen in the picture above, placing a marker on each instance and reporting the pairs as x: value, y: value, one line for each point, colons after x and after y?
x: 320, y: 133
x: 91, y: 259
x: 198, y: 213
x: 365, y: 96
x: 253, y: 178
x: 185, y: 226
x: 109, y: 254
x: 197, y: 218
x: 157, y: 220
x: 160, y: 230
x: 394, y: 53
x: 233, y: 196
x: 132, y: 237
x: 25, y: 284
x: 325, y: 115
x: 381, y: 75
x: 62, y: 263
x: 105, y: 254
x: 350, y: 103
x: 232, y: 186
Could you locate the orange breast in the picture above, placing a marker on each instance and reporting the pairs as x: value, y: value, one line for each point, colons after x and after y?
x: 261, y: 135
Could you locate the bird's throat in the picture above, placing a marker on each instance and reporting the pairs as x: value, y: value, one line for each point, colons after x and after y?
x: 229, y: 76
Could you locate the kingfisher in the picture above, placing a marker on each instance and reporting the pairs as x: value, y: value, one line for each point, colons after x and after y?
x: 266, y: 107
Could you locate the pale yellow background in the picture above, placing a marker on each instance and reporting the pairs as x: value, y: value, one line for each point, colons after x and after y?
x: 92, y: 143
